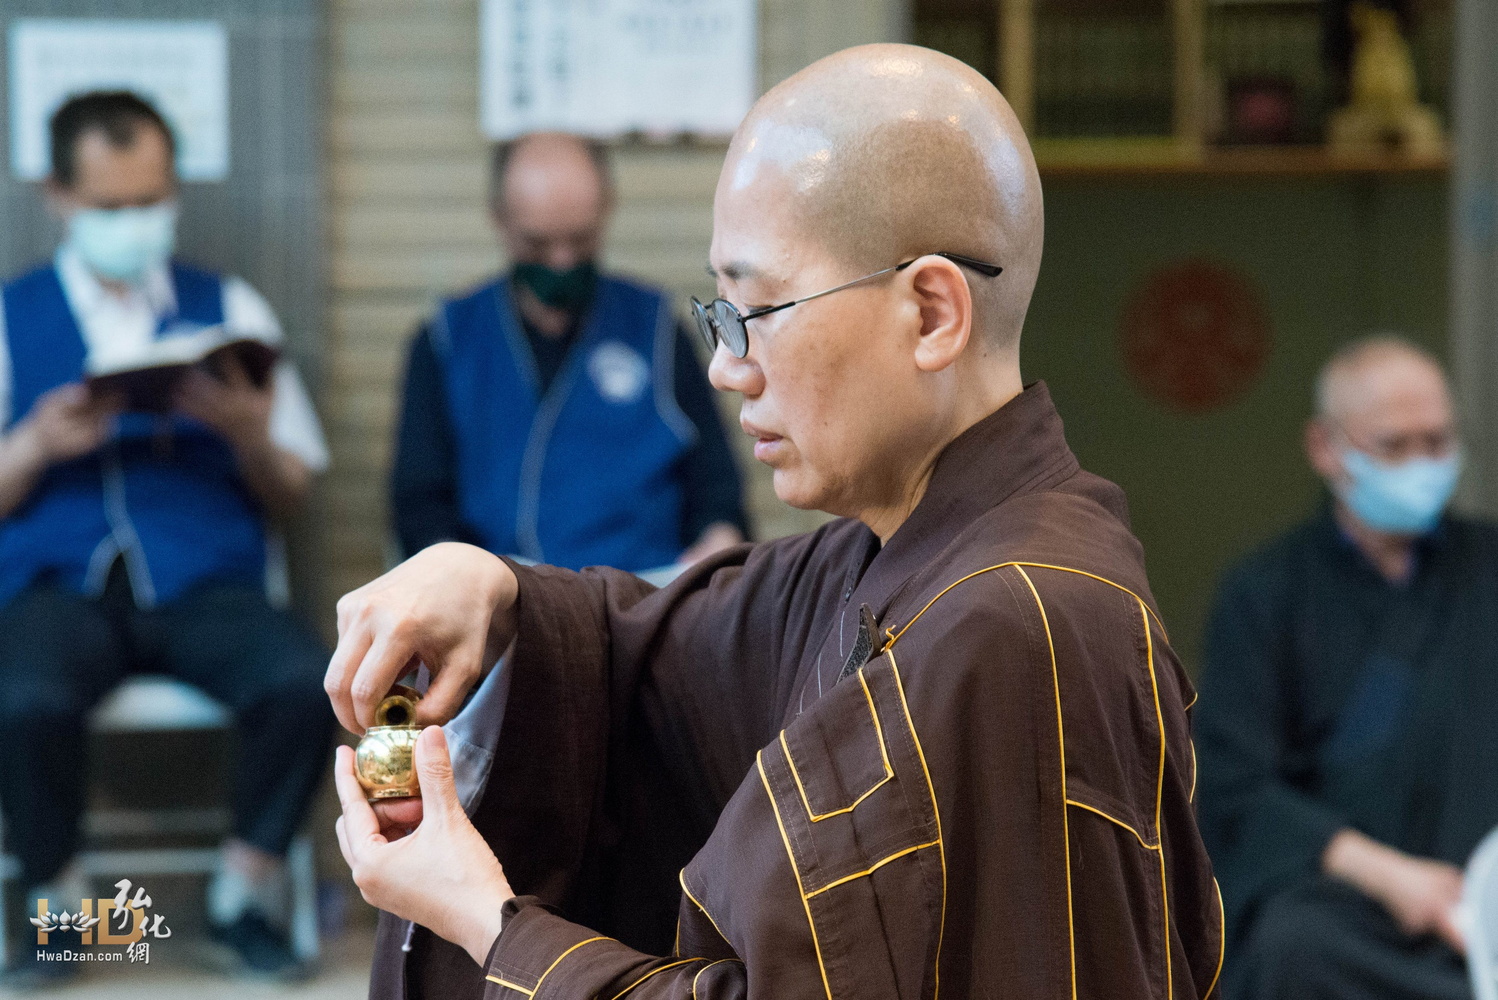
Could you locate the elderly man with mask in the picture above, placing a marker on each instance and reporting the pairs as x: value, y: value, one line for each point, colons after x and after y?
x: 1345, y: 729
x: 137, y: 541
x: 557, y: 413
x: 938, y: 747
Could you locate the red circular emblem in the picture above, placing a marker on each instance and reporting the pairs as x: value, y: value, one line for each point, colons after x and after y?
x: 1195, y: 335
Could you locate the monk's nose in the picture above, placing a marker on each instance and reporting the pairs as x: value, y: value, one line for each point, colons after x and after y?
x: 732, y: 374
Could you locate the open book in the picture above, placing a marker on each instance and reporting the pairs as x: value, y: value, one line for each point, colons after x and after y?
x: 148, y: 379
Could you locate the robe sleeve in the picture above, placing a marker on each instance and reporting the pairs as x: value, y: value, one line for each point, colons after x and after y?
x: 542, y: 955
x: 911, y: 828
x: 633, y: 715
x: 1263, y: 829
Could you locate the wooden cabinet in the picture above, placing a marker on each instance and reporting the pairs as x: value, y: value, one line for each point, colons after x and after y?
x: 1165, y: 86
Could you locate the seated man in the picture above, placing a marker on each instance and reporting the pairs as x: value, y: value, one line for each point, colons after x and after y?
x: 1345, y: 731
x: 938, y: 747
x: 133, y: 541
x: 556, y: 413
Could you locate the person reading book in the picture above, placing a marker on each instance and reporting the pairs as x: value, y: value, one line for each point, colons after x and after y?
x: 937, y: 748
x: 137, y: 541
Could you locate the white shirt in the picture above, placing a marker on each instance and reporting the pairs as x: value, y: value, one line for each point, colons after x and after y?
x: 120, y: 326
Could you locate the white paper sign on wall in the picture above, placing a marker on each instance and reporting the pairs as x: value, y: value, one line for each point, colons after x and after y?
x: 182, y: 67
x: 609, y: 67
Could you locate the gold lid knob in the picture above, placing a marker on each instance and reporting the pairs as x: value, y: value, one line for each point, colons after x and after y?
x: 398, y: 708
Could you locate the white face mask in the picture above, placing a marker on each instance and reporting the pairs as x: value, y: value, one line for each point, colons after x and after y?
x: 122, y: 244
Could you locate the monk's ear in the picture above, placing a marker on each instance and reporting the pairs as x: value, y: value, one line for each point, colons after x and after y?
x: 946, y: 309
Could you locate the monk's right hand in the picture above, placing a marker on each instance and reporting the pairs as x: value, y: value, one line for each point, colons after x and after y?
x: 450, y: 606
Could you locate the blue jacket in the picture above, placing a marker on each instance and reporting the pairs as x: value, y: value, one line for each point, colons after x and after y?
x: 164, y: 491
x: 587, y: 473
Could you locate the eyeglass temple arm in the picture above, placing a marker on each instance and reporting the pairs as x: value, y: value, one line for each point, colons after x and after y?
x: 981, y: 266
x: 847, y: 284
x: 991, y: 270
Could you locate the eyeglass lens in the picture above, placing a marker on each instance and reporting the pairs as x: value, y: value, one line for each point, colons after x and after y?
x: 731, y: 327
x: 704, y: 325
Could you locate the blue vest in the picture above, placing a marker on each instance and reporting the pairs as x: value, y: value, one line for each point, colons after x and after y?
x: 587, y: 474
x: 164, y: 491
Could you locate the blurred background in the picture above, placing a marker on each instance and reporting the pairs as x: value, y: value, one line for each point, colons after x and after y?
x: 1214, y: 230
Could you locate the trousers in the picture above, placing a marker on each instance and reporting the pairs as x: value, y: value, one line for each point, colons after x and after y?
x: 61, y: 653
x: 1326, y: 941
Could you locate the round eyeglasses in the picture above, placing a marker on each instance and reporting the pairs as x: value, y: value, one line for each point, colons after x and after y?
x: 719, y: 321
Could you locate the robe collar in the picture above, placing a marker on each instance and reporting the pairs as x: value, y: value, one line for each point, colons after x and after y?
x: 1019, y: 448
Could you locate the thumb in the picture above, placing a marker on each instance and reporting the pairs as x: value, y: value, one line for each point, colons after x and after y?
x: 434, y: 770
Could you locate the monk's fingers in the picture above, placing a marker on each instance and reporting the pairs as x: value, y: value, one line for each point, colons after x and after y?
x: 391, y: 653
x: 434, y: 769
x: 353, y: 645
x: 452, y: 679
x: 348, y: 856
x: 398, y: 817
x: 361, y: 826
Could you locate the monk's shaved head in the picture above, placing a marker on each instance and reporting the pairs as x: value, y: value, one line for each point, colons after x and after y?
x: 888, y: 152
x: 1371, y: 370
x: 873, y: 157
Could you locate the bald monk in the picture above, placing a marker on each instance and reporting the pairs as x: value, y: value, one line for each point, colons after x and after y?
x: 1345, y: 728
x: 938, y: 747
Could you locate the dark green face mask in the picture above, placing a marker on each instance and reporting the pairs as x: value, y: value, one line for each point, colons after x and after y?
x: 570, y: 289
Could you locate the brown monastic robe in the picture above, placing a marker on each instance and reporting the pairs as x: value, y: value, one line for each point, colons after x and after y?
x: 734, y: 787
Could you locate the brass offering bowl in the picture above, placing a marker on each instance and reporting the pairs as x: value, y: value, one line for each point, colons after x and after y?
x: 383, y: 760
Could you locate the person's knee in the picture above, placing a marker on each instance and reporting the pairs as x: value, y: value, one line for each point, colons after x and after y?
x: 1285, y: 934
x: 1298, y: 938
x: 292, y: 686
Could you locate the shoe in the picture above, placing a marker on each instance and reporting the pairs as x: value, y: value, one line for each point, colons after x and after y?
x: 258, y: 948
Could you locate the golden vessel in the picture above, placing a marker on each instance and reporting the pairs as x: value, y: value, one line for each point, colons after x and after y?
x: 383, y: 760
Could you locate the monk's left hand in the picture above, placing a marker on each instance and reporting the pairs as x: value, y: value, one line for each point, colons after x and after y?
x: 443, y: 876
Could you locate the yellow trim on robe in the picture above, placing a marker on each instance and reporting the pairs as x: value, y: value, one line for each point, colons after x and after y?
x: 891, y: 636
x: 871, y: 869
x: 563, y: 955
x: 653, y: 972
x: 759, y: 762
x: 1114, y: 819
x: 709, y: 966
x: 682, y: 878
x: 1071, y: 931
x: 1149, y: 656
x: 941, y: 846
x: 1222, y: 922
x: 511, y: 986
x: 889, y: 772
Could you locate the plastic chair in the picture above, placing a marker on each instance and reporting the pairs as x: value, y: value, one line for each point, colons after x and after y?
x: 151, y: 703
x: 1478, y: 916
